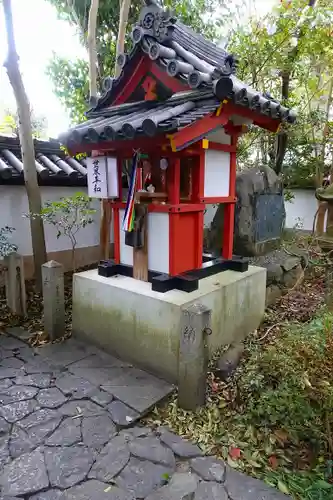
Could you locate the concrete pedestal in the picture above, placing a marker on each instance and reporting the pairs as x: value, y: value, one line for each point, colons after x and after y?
x: 125, y: 317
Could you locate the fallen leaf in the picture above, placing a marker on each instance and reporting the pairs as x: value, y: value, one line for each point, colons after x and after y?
x: 324, y: 485
x: 235, y: 453
x: 281, y: 435
x: 273, y: 462
x: 283, y: 488
x: 232, y: 463
x: 307, y: 381
x: 254, y: 464
x: 214, y: 387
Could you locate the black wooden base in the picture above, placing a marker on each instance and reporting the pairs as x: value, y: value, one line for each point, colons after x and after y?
x: 186, y: 282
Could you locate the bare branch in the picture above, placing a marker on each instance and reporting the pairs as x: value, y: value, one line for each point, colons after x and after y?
x: 123, y: 19
x: 92, y: 22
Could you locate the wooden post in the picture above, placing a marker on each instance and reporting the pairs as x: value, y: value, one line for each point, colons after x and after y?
x: 229, y: 208
x: 53, y: 298
x: 105, y: 230
x: 320, y: 222
x: 140, y: 255
x: 15, y: 284
x: 193, y: 356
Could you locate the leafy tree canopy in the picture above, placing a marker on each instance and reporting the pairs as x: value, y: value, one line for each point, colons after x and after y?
x: 297, y: 39
x: 70, y: 78
x: 9, y: 124
x: 293, y: 44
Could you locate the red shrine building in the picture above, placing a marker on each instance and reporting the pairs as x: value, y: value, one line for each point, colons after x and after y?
x: 174, y: 115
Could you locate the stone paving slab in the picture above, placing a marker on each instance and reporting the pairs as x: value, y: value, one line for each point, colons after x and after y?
x: 69, y: 431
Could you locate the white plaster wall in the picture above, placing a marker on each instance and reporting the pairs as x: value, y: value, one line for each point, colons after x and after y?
x: 301, y: 210
x: 14, y: 203
x: 217, y: 173
x: 158, y: 242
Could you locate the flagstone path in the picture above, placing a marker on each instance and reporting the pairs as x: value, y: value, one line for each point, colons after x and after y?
x: 69, y: 430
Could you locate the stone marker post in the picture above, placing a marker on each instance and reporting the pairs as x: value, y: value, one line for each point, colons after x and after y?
x: 15, y: 284
x: 193, y: 356
x: 53, y: 298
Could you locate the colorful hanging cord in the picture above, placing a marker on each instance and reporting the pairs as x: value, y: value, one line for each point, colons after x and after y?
x: 128, y: 220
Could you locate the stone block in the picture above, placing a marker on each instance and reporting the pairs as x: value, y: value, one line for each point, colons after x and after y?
x: 193, y: 356
x: 293, y: 276
x: 68, y: 466
x: 53, y: 299
x: 229, y: 360
x: 274, y: 273
x: 24, y: 475
x: 290, y: 263
x: 15, y: 284
x: 273, y: 293
x: 259, y: 214
x: 111, y: 460
x: 125, y: 317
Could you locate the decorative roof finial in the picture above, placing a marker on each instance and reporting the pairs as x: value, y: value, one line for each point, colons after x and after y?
x: 154, y: 22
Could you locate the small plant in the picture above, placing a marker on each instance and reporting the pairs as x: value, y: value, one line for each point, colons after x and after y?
x: 68, y: 216
x: 6, y: 246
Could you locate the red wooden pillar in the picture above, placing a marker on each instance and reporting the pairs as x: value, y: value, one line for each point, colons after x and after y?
x: 120, y: 177
x: 116, y: 222
x: 173, y: 187
x: 198, y: 178
x: 197, y: 195
x: 116, y: 236
x: 173, y: 184
x: 229, y: 209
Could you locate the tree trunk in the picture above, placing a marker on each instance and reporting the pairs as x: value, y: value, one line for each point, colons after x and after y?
x: 27, y: 146
x: 282, y: 137
x: 319, y: 173
x: 123, y: 19
x: 91, y: 42
x: 323, y: 207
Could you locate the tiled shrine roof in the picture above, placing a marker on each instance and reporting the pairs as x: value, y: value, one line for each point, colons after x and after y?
x: 192, y: 59
x: 205, y: 76
x: 145, y: 118
x: 53, y: 166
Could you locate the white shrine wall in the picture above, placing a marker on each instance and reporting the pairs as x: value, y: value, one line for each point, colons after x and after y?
x: 158, y: 242
x: 217, y: 173
x: 13, y: 206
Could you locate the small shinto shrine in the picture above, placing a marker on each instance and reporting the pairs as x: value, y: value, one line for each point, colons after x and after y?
x: 172, y: 120
x: 161, y: 143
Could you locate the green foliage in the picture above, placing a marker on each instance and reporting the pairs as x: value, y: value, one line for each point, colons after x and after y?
x: 10, y: 120
x: 288, y: 383
x: 290, y: 40
x: 274, y: 419
x: 70, y: 78
x: 71, y: 85
x: 295, y: 40
x: 68, y: 216
x: 7, y: 124
x: 6, y: 246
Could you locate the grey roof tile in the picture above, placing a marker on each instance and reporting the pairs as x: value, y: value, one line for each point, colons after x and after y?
x: 191, y: 58
x: 53, y: 166
x: 148, y: 118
